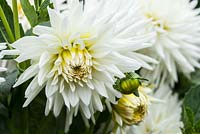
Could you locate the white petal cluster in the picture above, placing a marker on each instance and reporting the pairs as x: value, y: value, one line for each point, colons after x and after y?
x: 177, y: 42
x: 162, y: 118
x: 76, y: 58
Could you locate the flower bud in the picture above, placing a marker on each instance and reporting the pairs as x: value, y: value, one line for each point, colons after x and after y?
x: 131, y: 109
x: 128, y: 84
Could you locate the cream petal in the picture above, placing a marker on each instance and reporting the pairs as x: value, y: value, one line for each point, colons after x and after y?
x: 27, y: 74
x: 100, y: 88
x: 41, y: 30
x: 69, y: 118
x: 58, y: 104
x: 100, y: 52
x: 50, y: 89
x: 43, y: 73
x: 55, y: 18
x: 32, y: 95
x: 85, y: 110
x: 73, y: 98
x: 85, y: 95
x: 97, y: 101
x: 66, y: 99
x: 31, y: 86
x: 47, y: 110
x: 44, y: 59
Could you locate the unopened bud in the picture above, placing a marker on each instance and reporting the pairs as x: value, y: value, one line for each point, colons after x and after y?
x: 132, y: 109
x: 129, y: 84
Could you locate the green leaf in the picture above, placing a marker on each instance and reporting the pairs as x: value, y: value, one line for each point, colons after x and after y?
x: 197, y: 126
x: 192, y: 100
x: 195, y: 76
x: 9, y: 16
x: 38, y: 15
x: 183, y: 85
x: 191, y: 111
x: 23, y: 65
x: 10, y: 77
x: 30, y: 12
x: 188, y: 119
x: 43, y: 12
x: 3, y: 110
x: 45, y: 4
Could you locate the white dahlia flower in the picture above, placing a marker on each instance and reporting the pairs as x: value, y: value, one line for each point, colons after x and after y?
x: 76, y: 59
x: 2, y: 63
x: 162, y: 118
x: 177, y: 24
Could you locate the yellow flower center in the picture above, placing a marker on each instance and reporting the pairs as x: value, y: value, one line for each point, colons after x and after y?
x: 77, y: 64
x: 158, y: 22
x: 74, y: 62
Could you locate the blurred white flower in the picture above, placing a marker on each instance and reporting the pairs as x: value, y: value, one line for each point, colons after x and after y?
x: 162, y: 118
x: 22, y: 18
x: 76, y: 59
x: 177, y: 24
x: 2, y: 63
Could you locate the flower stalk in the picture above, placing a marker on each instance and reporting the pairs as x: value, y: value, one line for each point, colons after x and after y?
x: 16, y: 20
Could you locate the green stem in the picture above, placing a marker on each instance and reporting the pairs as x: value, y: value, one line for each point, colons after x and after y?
x: 4, y: 37
x: 16, y: 19
x: 26, y: 120
x: 36, y: 2
x: 6, y: 25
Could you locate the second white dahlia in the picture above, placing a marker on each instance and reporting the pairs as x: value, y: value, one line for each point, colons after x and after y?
x: 177, y: 46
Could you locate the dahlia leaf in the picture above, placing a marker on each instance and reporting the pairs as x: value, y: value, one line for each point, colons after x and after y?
x: 9, y: 16
x: 10, y: 77
x: 191, y: 99
x: 30, y: 12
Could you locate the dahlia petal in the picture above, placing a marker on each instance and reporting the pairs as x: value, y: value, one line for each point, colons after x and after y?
x: 32, y: 95
x: 50, y: 89
x: 73, y: 98
x: 58, y: 104
x: 97, y: 101
x: 27, y: 74
x: 85, y: 95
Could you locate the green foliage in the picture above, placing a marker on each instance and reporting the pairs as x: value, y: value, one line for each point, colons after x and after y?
x: 9, y: 16
x: 31, y: 120
x: 191, y: 111
x: 190, y: 126
x: 10, y: 77
x: 38, y: 15
x: 192, y: 100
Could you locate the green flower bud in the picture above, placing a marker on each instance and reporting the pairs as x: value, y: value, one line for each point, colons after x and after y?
x: 129, y: 84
